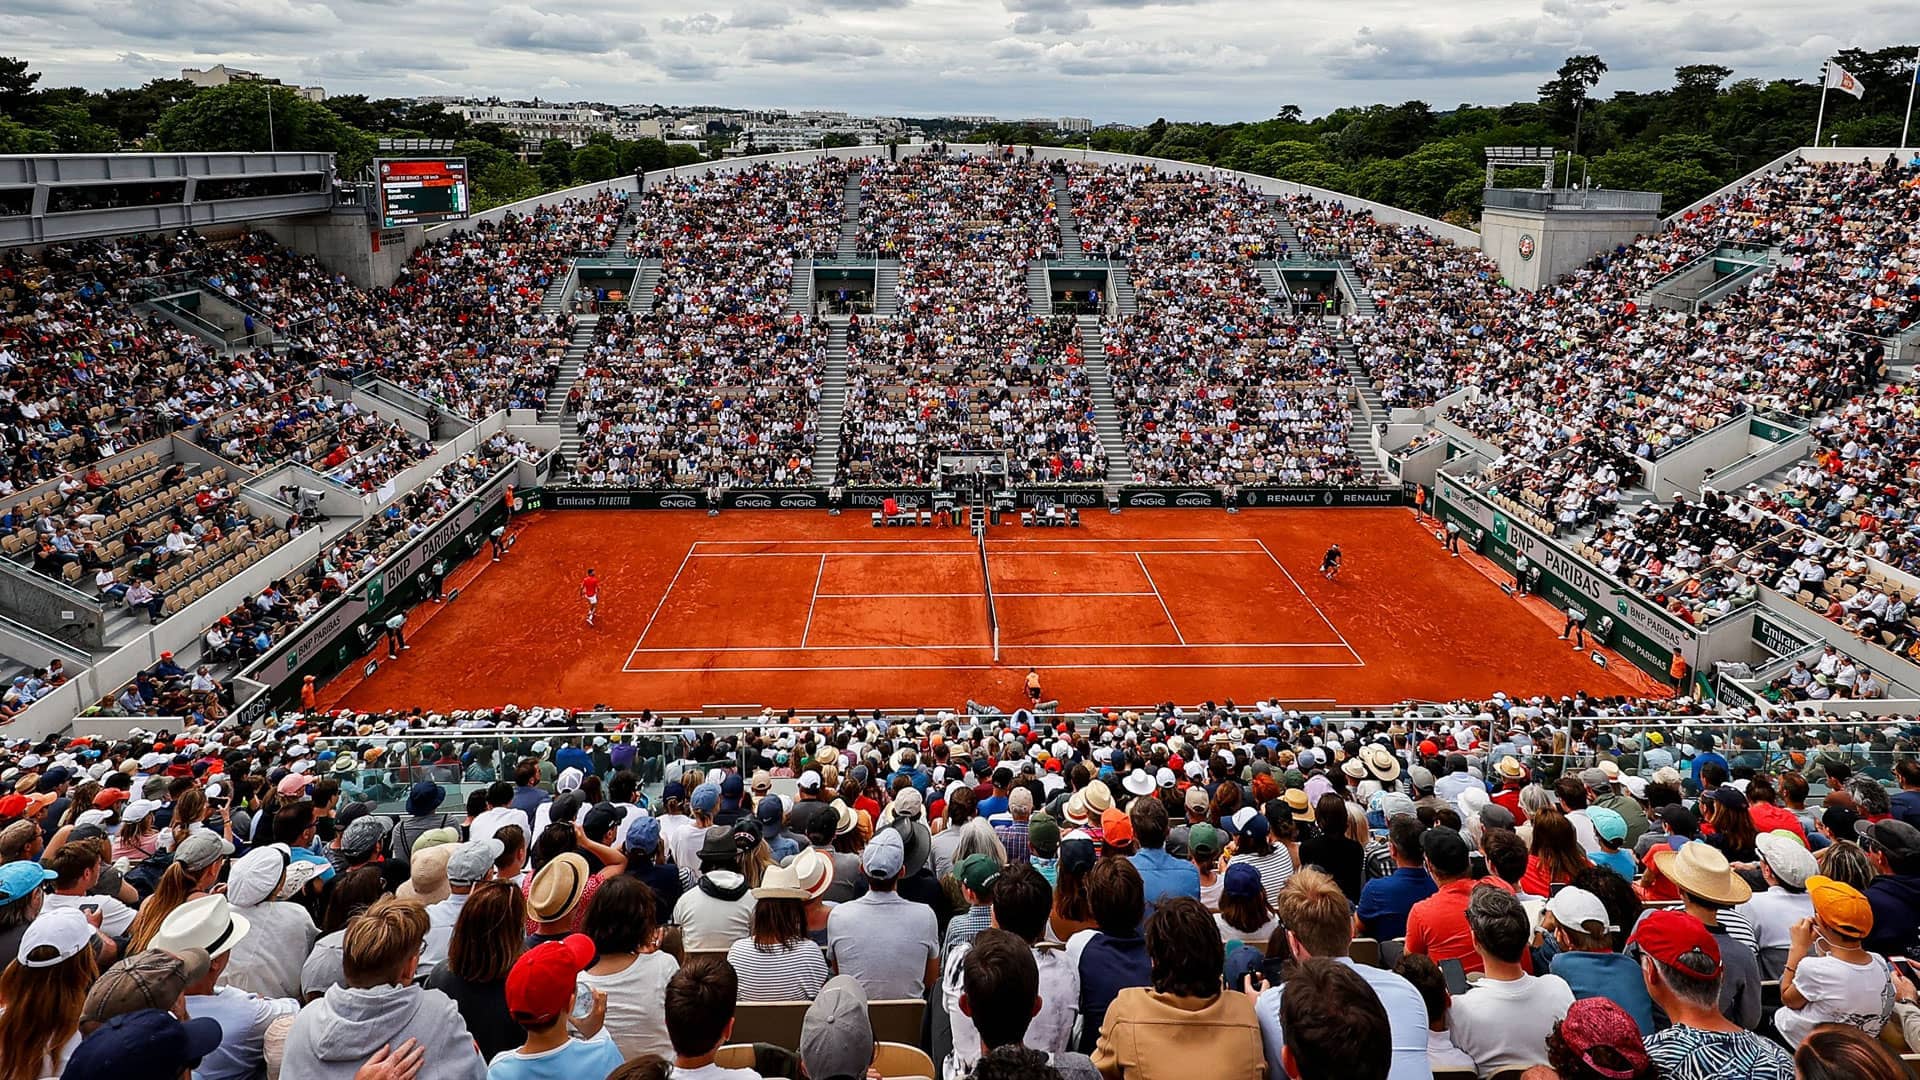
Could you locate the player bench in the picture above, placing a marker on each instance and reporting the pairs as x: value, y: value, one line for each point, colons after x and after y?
x: 1053, y: 517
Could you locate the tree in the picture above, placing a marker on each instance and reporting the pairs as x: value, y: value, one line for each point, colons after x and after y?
x: 236, y: 117
x: 133, y: 111
x: 74, y: 132
x: 648, y: 154
x: 504, y: 181
x: 594, y: 162
x: 1565, y: 95
x: 681, y: 154
x: 556, y: 163
x: 838, y: 138
x: 16, y: 85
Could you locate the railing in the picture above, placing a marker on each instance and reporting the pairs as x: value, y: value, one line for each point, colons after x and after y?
x: 1570, y: 199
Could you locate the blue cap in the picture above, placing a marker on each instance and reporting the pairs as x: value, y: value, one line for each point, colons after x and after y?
x: 771, y: 811
x: 731, y: 786
x: 1242, y: 880
x: 20, y: 877
x: 644, y: 835
x: 705, y: 798
x: 1257, y: 825
x: 675, y: 790
x: 1242, y: 961
x: 150, y: 1042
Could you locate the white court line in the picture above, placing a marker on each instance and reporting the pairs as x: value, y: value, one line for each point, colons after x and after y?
x: 663, y: 600
x: 965, y: 667
x: 894, y: 595
x: 1064, y: 595
x: 822, y: 572
x: 940, y: 554
x: 1309, y: 600
x: 990, y: 540
x: 974, y: 645
x: 1163, y: 600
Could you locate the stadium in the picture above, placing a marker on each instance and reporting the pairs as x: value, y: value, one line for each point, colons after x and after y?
x: 974, y: 521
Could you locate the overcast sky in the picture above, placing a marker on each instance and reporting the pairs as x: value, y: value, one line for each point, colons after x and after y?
x: 1113, y: 60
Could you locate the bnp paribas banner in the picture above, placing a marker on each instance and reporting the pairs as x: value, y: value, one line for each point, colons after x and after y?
x: 1621, y: 619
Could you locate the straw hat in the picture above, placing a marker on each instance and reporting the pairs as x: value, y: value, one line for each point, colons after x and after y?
x: 558, y: 887
x: 427, y: 880
x: 1511, y: 769
x: 1700, y: 869
x: 1098, y: 797
x: 1301, y: 806
x: 780, y: 883
x: 1381, y: 763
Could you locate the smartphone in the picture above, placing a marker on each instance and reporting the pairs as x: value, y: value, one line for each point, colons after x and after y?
x: 1456, y: 976
x: 91, y: 909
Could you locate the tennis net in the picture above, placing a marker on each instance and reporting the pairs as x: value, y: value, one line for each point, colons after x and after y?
x: 986, y: 580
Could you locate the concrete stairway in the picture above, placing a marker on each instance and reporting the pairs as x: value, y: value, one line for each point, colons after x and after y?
x: 1368, y: 403
x: 572, y: 362
x: 555, y: 298
x: 1121, y: 281
x: 886, y: 287
x: 641, y: 298
x: 1275, y: 285
x: 1356, y: 290
x: 800, y: 290
x: 1068, y: 221
x: 833, y: 402
x: 849, y: 246
x: 621, y: 235
x: 1106, y: 409
x: 1039, y: 292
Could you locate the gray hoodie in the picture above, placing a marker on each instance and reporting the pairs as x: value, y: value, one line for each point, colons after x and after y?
x: 334, y: 1036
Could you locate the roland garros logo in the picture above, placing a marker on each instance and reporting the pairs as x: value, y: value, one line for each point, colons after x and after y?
x: 1526, y: 245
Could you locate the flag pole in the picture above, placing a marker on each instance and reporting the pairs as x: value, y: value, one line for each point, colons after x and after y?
x: 1822, y: 119
x: 1911, y: 83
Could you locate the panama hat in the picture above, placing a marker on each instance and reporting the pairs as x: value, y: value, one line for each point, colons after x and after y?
x: 208, y: 923
x: 781, y: 883
x: 1510, y: 768
x: 558, y: 887
x: 1701, y: 870
x: 1381, y: 763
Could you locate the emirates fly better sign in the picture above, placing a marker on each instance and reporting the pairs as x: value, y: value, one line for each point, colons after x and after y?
x: 422, y: 191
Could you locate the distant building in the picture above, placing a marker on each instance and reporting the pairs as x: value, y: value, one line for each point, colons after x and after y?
x: 538, y: 123
x: 625, y: 127
x: 221, y: 75
x: 1074, y: 124
x: 802, y: 137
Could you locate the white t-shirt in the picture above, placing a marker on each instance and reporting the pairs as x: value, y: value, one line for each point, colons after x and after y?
x: 636, y: 1004
x: 1772, y: 914
x: 1837, y: 992
x: 713, y: 1072
x: 115, y: 916
x: 1504, y: 1025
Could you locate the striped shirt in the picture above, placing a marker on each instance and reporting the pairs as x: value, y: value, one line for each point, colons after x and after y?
x: 794, y: 971
x: 1275, y: 870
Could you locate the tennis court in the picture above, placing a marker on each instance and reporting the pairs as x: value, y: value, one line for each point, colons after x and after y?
x: 802, y: 610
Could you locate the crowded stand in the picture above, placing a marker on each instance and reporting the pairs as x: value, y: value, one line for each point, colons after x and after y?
x: 966, y: 364
x: 717, y: 384
x: 1478, y: 888
x: 1584, y: 364
x: 1218, y: 382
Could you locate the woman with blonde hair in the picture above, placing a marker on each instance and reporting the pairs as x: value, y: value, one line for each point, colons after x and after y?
x: 194, y: 872
x: 42, y: 993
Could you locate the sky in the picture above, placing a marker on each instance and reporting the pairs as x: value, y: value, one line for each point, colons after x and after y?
x: 1126, y: 61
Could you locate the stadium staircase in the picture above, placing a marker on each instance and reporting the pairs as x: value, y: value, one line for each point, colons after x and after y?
x: 886, y: 287
x: 555, y: 298
x: 800, y: 290
x: 1369, y: 408
x: 618, y: 245
x: 1275, y: 285
x: 1292, y: 247
x: 1106, y: 409
x: 833, y: 402
x: 1356, y: 290
x: 1039, y: 292
x: 1122, y: 282
x: 571, y: 363
x: 1068, y: 221
x: 1707, y: 280
x: 849, y: 247
x: 640, y: 300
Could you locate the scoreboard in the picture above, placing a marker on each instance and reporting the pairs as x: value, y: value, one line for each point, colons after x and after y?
x: 422, y: 191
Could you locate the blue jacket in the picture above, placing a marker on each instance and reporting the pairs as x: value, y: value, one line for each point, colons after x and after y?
x: 1165, y: 876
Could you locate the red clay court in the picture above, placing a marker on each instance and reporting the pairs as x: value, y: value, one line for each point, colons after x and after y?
x: 815, y: 612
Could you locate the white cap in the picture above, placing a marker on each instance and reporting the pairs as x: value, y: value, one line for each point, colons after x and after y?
x: 139, y: 808
x: 1576, y: 909
x: 65, y: 930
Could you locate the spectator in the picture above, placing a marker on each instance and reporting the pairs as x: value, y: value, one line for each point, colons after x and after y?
x: 1680, y: 961
x: 1503, y: 1022
x: 836, y: 1038
x: 1894, y: 848
x: 268, y: 959
x: 469, y: 866
x: 541, y: 996
x: 488, y: 936
x: 1333, y: 851
x: 380, y: 1006
x: 210, y: 925
x: 1843, y: 983
x: 44, y: 989
x: 629, y: 967
x: 1319, y: 926
x: 147, y: 1042
x: 1184, y: 1020
x: 1244, y: 914
x: 1708, y: 886
x: 1437, y: 926
x: 1555, y: 856
x: 1581, y: 929
x: 1386, y: 901
x: 1597, y: 1040
x: 1021, y: 901
x: 1254, y: 845
x: 1161, y: 874
x: 1835, y: 1052
x: 1426, y: 978
x: 1204, y: 845
x: 779, y: 962
x: 701, y: 998
x: 886, y: 941
x: 718, y: 911
x: 1000, y: 988
x: 1335, y: 1027
x: 1113, y: 956
x: 1785, y: 866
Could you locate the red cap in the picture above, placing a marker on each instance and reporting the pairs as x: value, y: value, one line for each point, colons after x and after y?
x: 13, y: 806
x: 109, y: 798
x: 541, y: 984
x: 1667, y: 935
x: 1427, y: 748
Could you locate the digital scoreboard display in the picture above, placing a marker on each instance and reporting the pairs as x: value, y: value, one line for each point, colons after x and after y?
x: 422, y: 191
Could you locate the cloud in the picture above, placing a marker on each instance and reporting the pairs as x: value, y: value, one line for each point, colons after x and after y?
x: 376, y: 63
x: 237, y: 20
x: 807, y: 48
x: 518, y: 26
x: 704, y: 22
